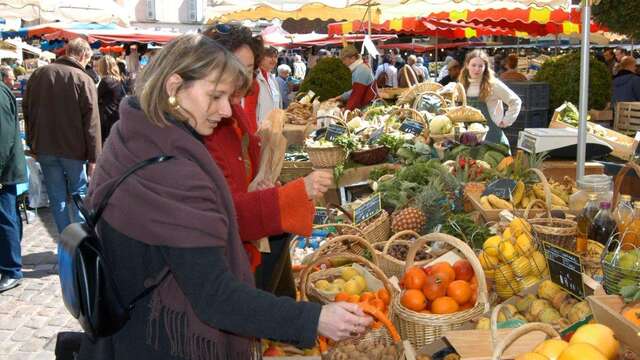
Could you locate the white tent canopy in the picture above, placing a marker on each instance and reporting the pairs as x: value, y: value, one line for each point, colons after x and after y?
x: 65, y: 10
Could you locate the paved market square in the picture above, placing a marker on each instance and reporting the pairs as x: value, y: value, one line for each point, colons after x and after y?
x: 32, y: 314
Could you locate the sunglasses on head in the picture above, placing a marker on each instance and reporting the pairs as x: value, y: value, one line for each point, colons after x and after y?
x: 222, y: 28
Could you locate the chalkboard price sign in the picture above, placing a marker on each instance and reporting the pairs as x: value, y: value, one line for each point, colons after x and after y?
x: 321, y: 216
x: 333, y: 131
x: 369, y: 209
x: 565, y: 269
x: 412, y: 127
x: 501, y: 188
x: 375, y: 136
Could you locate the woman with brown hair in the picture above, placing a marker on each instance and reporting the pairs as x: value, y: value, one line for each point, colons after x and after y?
x: 177, y: 219
x: 512, y: 73
x: 110, y: 93
x: 488, y: 94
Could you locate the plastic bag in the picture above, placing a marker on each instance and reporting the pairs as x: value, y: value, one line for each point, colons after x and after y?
x: 38, y: 196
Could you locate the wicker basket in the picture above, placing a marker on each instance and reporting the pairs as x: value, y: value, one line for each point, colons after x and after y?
x: 346, y: 244
x: 327, y: 157
x: 390, y: 265
x: 309, y: 277
x: 292, y: 170
x: 560, y: 232
x: 431, y: 94
x: 376, y: 231
x: 414, y: 115
x: 372, y: 156
x: 464, y: 113
x: 501, y: 346
x: 422, y: 329
x: 409, y: 95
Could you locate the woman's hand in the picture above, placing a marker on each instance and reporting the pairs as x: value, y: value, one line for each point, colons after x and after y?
x: 264, y: 185
x: 342, y: 320
x: 317, y: 183
x: 503, y: 125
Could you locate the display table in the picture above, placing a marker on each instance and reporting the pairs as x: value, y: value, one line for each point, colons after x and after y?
x: 295, y: 134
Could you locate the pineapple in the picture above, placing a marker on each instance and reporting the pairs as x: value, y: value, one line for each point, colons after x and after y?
x: 408, y: 219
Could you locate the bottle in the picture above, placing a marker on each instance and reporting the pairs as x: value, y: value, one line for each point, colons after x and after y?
x: 623, y: 215
x: 633, y: 230
x: 603, y: 225
x: 584, y: 220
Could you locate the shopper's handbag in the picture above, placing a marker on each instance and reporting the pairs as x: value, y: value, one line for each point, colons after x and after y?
x: 88, y: 289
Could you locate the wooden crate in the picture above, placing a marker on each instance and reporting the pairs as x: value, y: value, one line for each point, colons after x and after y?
x: 606, y: 310
x: 627, y: 119
x: 623, y: 146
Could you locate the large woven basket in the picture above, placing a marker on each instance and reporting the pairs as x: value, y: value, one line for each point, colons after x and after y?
x: 500, y: 347
x: 409, y: 95
x: 292, y: 170
x: 346, y: 244
x: 375, y: 231
x: 464, y: 113
x: 327, y: 157
x: 560, y: 232
x: 372, y: 156
x: 422, y: 329
x: 431, y: 94
x: 389, y: 264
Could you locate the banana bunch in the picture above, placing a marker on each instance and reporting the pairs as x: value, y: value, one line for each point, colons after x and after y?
x: 523, y: 195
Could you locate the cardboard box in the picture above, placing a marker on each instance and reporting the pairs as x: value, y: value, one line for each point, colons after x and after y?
x: 623, y: 146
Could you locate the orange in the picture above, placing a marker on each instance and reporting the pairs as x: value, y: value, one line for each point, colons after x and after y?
x: 366, y: 296
x: 383, y: 294
x: 414, y: 278
x: 444, y: 268
x: 460, y: 291
x: 413, y: 300
x: 342, y: 296
x: 444, y: 305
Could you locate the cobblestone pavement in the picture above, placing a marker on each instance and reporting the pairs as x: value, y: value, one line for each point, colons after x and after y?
x: 33, y: 313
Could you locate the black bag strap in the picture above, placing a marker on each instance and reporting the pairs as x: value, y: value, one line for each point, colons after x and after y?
x: 93, y: 217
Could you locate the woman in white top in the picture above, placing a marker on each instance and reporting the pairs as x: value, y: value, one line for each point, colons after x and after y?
x: 487, y: 94
x: 389, y: 70
x: 299, y: 68
x: 269, y: 96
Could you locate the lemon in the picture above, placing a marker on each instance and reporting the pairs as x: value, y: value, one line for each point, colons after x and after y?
x: 348, y: 273
x: 507, y: 251
x: 322, y: 284
x: 487, y: 261
x: 490, y: 245
x: 519, y: 226
x: 351, y: 287
x: 524, y: 244
x: 359, y: 279
x: 507, y: 234
x: 339, y: 282
x: 538, y: 263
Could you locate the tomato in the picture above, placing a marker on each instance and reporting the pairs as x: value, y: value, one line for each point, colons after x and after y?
x: 435, y: 286
x: 463, y: 270
x: 414, y: 278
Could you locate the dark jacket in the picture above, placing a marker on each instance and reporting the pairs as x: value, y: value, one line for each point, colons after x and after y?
x: 61, y: 112
x: 144, y: 230
x: 13, y: 167
x: 626, y: 87
x: 110, y: 93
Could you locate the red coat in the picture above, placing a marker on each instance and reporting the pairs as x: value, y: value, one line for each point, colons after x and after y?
x: 260, y: 213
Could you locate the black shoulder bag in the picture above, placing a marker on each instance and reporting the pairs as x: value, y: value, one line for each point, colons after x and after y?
x: 88, y: 288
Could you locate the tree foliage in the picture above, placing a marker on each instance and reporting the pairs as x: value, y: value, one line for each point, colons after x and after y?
x: 563, y: 75
x: 620, y: 16
x: 329, y: 78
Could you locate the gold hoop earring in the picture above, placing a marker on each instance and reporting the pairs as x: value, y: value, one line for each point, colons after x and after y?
x: 173, y: 102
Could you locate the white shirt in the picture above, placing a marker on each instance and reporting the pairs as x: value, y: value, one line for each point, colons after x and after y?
x: 392, y: 74
x: 269, y: 98
x: 299, y: 70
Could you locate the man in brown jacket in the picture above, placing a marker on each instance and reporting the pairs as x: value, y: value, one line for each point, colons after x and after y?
x: 63, y: 127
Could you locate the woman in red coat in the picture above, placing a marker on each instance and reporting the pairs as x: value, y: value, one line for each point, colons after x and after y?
x: 270, y: 210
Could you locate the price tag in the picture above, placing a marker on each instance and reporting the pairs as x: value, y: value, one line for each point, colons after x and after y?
x: 333, y: 131
x: 565, y: 269
x: 412, y: 127
x: 375, y: 136
x: 501, y: 188
x: 321, y: 216
x: 637, y: 138
x: 369, y: 209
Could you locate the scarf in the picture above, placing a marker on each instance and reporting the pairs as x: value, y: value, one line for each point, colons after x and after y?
x: 184, y: 202
x: 355, y: 64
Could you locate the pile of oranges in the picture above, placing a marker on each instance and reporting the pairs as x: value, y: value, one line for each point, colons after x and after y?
x: 379, y: 300
x: 440, y: 288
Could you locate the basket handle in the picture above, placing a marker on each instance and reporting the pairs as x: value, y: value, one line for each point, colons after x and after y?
x: 325, y: 249
x: 336, y: 119
x: 461, y: 92
x: 341, y: 209
x: 406, y: 70
x: 532, y: 204
x: 620, y: 179
x: 483, y: 293
x: 304, y: 276
x: 397, y: 236
x: 517, y: 333
x: 415, y: 115
x: 494, y: 324
x: 545, y: 185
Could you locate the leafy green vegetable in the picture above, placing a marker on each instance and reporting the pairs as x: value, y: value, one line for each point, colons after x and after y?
x: 329, y: 78
x: 463, y: 226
